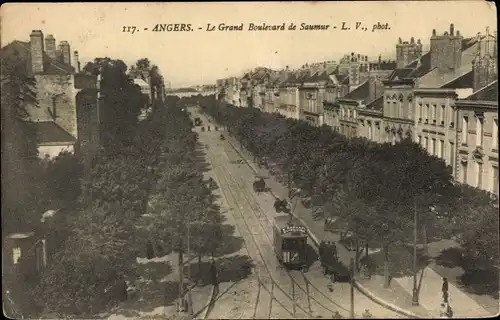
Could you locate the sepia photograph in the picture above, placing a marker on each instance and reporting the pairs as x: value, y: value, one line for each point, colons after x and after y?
x: 250, y: 160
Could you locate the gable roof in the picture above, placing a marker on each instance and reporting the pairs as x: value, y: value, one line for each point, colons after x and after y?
x: 436, y: 78
x: 49, y: 132
x: 487, y: 93
x: 23, y: 49
x: 461, y: 82
x: 360, y: 93
x: 376, y: 105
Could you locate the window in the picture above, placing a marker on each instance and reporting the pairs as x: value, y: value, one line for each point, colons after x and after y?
x: 370, y: 131
x: 16, y: 255
x: 419, y: 113
x: 464, y: 172
x: 453, y: 117
x: 434, y: 114
x: 465, y: 129
x: 442, y: 116
x: 479, y: 175
x: 451, y: 150
x: 427, y: 113
x: 440, y: 151
x: 433, y: 147
x: 426, y: 143
x: 479, y: 131
x: 494, y: 137
x: 419, y: 139
x: 494, y: 187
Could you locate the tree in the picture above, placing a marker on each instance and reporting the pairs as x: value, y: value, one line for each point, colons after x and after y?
x: 474, y: 223
x: 96, y: 256
x: 63, y: 174
x: 143, y: 64
x: 122, y: 101
x: 20, y: 166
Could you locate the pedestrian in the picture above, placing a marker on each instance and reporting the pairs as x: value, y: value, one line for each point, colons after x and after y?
x: 149, y: 250
x: 213, y: 275
x: 444, y: 290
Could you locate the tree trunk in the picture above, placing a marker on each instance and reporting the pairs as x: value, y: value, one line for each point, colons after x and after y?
x: 424, y: 239
x: 199, y: 266
x: 366, y: 249
x: 356, y: 261
x: 181, y: 277
x: 387, y: 280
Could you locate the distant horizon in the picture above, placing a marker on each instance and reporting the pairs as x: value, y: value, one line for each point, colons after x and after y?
x: 201, y: 57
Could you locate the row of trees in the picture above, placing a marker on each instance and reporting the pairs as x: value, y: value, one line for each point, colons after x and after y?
x: 374, y: 189
x: 101, y: 248
x: 100, y: 245
x: 183, y: 207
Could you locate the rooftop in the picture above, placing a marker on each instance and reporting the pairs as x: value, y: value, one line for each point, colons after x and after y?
x: 360, y: 93
x: 435, y: 78
x: 488, y: 93
x: 23, y: 50
x: 376, y: 105
x: 51, y: 132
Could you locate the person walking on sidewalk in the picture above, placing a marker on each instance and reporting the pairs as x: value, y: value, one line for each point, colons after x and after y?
x: 213, y: 276
x: 444, y: 289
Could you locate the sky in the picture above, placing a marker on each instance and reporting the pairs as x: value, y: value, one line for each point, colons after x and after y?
x: 200, y: 57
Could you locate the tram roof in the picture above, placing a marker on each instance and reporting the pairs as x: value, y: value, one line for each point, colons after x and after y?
x: 282, y: 221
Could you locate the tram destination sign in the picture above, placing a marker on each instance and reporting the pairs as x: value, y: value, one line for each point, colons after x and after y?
x: 293, y: 229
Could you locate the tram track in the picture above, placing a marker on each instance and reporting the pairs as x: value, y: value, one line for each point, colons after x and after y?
x: 303, y: 297
x: 300, y: 298
x: 296, y: 279
x: 265, y: 276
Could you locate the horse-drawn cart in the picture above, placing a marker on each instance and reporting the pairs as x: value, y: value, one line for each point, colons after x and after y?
x: 259, y: 185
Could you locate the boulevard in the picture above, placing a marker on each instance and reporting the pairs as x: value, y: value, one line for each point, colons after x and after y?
x: 274, y: 291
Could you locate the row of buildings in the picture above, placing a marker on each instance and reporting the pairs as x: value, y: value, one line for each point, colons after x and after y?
x: 445, y: 99
x: 204, y: 90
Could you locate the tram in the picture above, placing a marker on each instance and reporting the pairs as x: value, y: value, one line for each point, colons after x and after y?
x: 290, y: 242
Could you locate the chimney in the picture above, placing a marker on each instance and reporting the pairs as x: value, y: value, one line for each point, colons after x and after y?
x: 452, y: 30
x: 433, y: 32
x: 36, y: 42
x: 50, y: 46
x: 66, y: 53
x: 412, y: 40
x: 380, y: 59
x: 76, y: 62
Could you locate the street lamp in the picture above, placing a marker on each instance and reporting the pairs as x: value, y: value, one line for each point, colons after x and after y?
x: 414, y: 300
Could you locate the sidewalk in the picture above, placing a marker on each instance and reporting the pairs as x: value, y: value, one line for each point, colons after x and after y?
x: 398, y: 296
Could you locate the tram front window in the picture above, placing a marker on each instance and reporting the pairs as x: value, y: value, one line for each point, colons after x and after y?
x: 293, y: 244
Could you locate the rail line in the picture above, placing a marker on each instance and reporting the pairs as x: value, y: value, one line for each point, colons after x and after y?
x: 307, y: 282
x: 259, y: 214
x: 261, y: 260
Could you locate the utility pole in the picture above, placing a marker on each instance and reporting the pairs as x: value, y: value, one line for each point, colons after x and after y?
x: 352, y: 287
x: 190, y: 301
x: 414, y: 300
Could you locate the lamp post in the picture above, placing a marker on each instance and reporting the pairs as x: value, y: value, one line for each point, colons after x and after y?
x: 414, y: 300
x: 352, y: 287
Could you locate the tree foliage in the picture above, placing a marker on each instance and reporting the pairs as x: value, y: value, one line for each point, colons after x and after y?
x: 375, y: 189
x: 20, y: 167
